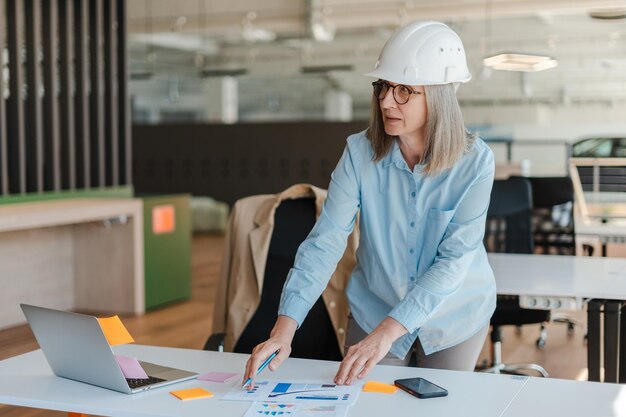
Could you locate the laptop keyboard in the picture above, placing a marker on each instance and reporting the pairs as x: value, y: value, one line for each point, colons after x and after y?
x: 136, y: 383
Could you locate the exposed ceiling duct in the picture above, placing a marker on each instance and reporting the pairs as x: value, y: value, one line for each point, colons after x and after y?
x: 230, y: 37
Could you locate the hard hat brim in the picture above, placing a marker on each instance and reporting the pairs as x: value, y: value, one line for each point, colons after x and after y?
x: 381, y: 75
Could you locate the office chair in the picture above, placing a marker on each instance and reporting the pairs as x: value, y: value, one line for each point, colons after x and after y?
x: 553, y: 215
x: 553, y: 225
x: 508, y: 230
x: 315, y: 339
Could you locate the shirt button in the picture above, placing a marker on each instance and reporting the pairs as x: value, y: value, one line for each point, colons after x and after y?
x: 413, y: 194
x: 411, y: 251
x: 412, y: 224
x: 332, y: 304
x: 412, y: 278
x: 340, y: 330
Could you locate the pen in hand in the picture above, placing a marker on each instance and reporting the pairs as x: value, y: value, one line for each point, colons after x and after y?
x: 263, y: 365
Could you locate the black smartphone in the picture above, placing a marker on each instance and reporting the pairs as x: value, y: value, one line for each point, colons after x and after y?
x: 421, y: 388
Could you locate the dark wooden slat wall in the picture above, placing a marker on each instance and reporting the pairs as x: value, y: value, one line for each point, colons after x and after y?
x: 81, y: 68
x: 228, y: 162
x: 111, y: 91
x: 34, y: 127
x: 124, y: 111
x: 16, y: 144
x: 51, y: 149
x: 4, y: 184
x: 65, y: 124
x: 96, y: 94
x: 67, y: 79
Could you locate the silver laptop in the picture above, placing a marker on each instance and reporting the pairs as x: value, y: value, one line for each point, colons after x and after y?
x: 76, y: 348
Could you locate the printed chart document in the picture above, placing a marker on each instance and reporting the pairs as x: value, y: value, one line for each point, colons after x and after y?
x: 296, y: 410
x: 296, y: 392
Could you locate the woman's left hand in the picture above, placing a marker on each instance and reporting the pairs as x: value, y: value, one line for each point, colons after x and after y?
x: 362, y: 357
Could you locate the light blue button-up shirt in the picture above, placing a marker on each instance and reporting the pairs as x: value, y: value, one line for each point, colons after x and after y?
x: 421, y: 258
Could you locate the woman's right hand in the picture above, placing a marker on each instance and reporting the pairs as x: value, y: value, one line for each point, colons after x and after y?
x: 280, y: 340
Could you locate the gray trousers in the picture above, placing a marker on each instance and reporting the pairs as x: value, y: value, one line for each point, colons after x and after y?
x: 461, y: 357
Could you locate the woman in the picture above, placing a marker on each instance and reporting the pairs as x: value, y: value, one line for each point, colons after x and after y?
x: 422, y: 282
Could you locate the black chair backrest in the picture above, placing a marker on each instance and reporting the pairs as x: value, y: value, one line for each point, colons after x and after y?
x: 508, y: 228
x: 316, y: 338
x: 553, y: 215
x: 551, y: 191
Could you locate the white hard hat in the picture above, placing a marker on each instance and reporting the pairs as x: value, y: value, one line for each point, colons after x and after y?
x: 423, y: 53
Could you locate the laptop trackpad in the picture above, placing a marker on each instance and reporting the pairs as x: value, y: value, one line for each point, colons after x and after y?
x: 164, y: 372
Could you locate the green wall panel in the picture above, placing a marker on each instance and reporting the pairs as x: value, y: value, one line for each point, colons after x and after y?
x: 167, y: 252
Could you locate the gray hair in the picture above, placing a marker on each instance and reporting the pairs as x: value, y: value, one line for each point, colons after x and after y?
x: 446, y: 137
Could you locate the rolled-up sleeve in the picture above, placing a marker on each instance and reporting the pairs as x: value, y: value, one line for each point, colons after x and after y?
x: 318, y: 255
x: 462, y: 239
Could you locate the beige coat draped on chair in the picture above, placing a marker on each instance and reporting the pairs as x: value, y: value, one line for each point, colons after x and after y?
x: 247, y: 241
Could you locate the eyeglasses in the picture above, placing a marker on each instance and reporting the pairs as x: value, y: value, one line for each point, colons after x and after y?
x: 401, y: 93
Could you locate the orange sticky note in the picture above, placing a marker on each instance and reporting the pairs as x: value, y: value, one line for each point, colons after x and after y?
x: 163, y: 219
x: 115, y: 331
x: 380, y: 387
x: 192, y: 394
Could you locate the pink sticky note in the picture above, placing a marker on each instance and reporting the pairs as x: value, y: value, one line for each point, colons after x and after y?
x: 218, y: 377
x: 131, y: 368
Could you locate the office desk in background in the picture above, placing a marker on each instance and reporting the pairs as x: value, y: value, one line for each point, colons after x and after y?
x: 592, y: 231
x: 79, y: 253
x: 600, y: 217
x: 548, y: 279
x: 26, y: 380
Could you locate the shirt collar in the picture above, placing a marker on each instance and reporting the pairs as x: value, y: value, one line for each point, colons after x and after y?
x: 395, y: 157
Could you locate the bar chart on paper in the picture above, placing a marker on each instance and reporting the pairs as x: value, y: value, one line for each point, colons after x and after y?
x: 296, y: 392
x: 295, y: 410
x: 271, y: 409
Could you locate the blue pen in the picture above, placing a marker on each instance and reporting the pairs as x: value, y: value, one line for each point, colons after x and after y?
x: 263, y: 365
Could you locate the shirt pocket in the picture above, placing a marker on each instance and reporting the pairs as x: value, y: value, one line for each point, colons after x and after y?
x: 434, y: 232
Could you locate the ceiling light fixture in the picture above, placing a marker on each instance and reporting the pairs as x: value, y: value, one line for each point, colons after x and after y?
x: 323, y: 69
x: 520, y: 62
x: 608, y: 14
x: 141, y: 75
x: 222, y: 72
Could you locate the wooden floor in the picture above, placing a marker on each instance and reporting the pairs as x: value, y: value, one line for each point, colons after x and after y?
x: 188, y: 324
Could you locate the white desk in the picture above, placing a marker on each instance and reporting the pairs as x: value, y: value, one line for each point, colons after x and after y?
x: 609, y: 206
x: 558, y: 275
x: 613, y: 231
x: 558, y: 397
x: 80, y: 253
x: 26, y: 380
x: 577, y: 277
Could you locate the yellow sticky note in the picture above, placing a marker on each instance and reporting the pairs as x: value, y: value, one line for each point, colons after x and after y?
x: 115, y: 331
x: 192, y: 394
x: 380, y: 387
